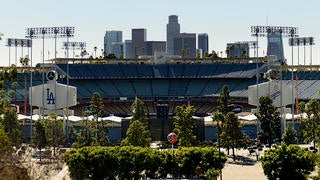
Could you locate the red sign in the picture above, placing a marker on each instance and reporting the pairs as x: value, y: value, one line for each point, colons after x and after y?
x: 172, y: 138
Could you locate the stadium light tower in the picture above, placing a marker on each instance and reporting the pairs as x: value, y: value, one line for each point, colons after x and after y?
x: 17, y: 43
x: 43, y: 33
x: 297, y: 41
x: 303, y: 41
x: 264, y: 31
x: 74, y: 45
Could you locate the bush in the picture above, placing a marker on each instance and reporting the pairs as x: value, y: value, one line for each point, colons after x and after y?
x: 129, y: 162
x: 288, y: 162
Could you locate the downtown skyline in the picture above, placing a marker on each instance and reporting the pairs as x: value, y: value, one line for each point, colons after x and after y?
x: 224, y: 22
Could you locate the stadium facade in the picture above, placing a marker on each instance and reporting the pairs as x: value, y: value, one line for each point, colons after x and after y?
x: 162, y: 87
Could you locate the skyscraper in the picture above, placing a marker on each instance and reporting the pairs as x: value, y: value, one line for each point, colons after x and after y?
x: 117, y: 49
x: 238, y: 50
x: 275, y: 46
x: 203, y: 43
x: 109, y: 38
x: 154, y: 46
x: 173, y: 29
x: 184, y: 45
x: 128, y: 49
x: 139, y: 36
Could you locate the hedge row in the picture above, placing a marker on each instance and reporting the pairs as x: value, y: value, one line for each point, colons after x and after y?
x: 127, y: 162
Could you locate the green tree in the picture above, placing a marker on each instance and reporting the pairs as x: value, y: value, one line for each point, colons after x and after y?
x: 111, y: 56
x: 231, y: 134
x: 39, y: 137
x: 97, y: 110
x: 289, y: 136
x: 8, y: 79
x: 269, y: 118
x: 138, y: 112
x: 311, y: 130
x: 288, y: 162
x: 54, y: 131
x: 224, y: 100
x: 86, y: 136
x: 11, y: 126
x: 184, y: 125
x: 219, y: 118
x: 137, y: 135
x: 5, y: 143
x: 301, y: 109
x: 6, y: 150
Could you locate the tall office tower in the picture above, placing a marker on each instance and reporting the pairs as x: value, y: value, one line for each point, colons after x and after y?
x: 109, y: 38
x: 238, y: 50
x: 139, y: 36
x: 117, y: 49
x: 128, y: 49
x: 184, y: 45
x: 173, y: 29
x: 275, y: 46
x: 154, y: 46
x: 203, y: 43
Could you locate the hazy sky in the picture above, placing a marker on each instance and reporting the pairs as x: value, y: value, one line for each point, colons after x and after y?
x: 224, y: 21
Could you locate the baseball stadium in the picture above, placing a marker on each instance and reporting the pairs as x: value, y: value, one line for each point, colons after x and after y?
x: 164, y: 86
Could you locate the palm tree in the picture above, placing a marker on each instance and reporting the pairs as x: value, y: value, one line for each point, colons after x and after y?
x: 187, y: 52
x: 83, y: 53
x: 183, y: 52
x: 102, y: 53
x: 95, y: 51
x: 218, y: 117
x: 24, y: 61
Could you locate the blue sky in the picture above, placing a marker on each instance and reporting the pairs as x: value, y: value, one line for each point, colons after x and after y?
x: 224, y: 21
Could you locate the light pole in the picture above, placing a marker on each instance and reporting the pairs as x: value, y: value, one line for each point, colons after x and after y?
x: 69, y: 33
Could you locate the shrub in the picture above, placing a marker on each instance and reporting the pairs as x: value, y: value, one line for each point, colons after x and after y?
x: 130, y: 162
x: 288, y: 162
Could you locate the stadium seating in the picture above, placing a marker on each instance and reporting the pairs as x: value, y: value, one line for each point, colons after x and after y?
x: 171, y: 81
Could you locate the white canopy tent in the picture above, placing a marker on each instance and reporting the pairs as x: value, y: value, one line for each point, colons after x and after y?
x: 75, y: 118
x: 250, y: 117
x: 112, y: 118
